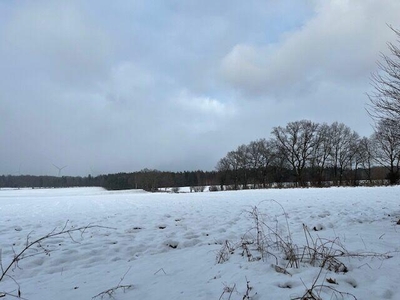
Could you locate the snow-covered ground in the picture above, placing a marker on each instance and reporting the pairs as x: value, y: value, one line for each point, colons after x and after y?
x: 167, y: 244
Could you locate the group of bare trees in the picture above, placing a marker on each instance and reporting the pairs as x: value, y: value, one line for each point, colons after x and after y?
x: 314, y: 154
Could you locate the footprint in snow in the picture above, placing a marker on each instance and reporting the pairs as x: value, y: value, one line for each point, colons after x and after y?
x: 172, y: 244
x: 318, y: 227
x: 287, y: 284
x: 351, y: 281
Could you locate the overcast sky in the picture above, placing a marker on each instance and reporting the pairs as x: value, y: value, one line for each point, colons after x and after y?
x: 117, y: 86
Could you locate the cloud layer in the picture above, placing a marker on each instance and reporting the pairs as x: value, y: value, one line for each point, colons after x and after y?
x: 107, y: 88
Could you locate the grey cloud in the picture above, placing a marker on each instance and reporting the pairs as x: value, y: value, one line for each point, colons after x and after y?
x: 341, y: 44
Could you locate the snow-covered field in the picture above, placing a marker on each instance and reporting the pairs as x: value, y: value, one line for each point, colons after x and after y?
x: 167, y: 244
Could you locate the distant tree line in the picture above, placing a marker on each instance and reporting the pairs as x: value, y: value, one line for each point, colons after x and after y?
x: 22, y: 181
x: 153, y: 180
x: 149, y: 180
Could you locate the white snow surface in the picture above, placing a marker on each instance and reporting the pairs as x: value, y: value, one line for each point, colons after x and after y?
x: 167, y: 244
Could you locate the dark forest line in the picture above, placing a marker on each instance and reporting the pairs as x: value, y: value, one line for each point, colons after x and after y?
x: 153, y: 180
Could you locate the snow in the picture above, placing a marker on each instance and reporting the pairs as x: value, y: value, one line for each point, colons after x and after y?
x: 167, y: 244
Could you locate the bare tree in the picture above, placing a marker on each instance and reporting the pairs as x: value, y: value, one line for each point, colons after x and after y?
x: 385, y: 99
x: 322, y: 151
x: 255, y: 157
x: 231, y: 164
x: 384, y: 107
x: 387, y: 150
x: 278, y: 164
x: 242, y: 158
x: 366, y: 156
x: 354, y: 158
x: 268, y: 158
x: 297, y: 141
x: 343, y: 140
x: 223, y: 167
